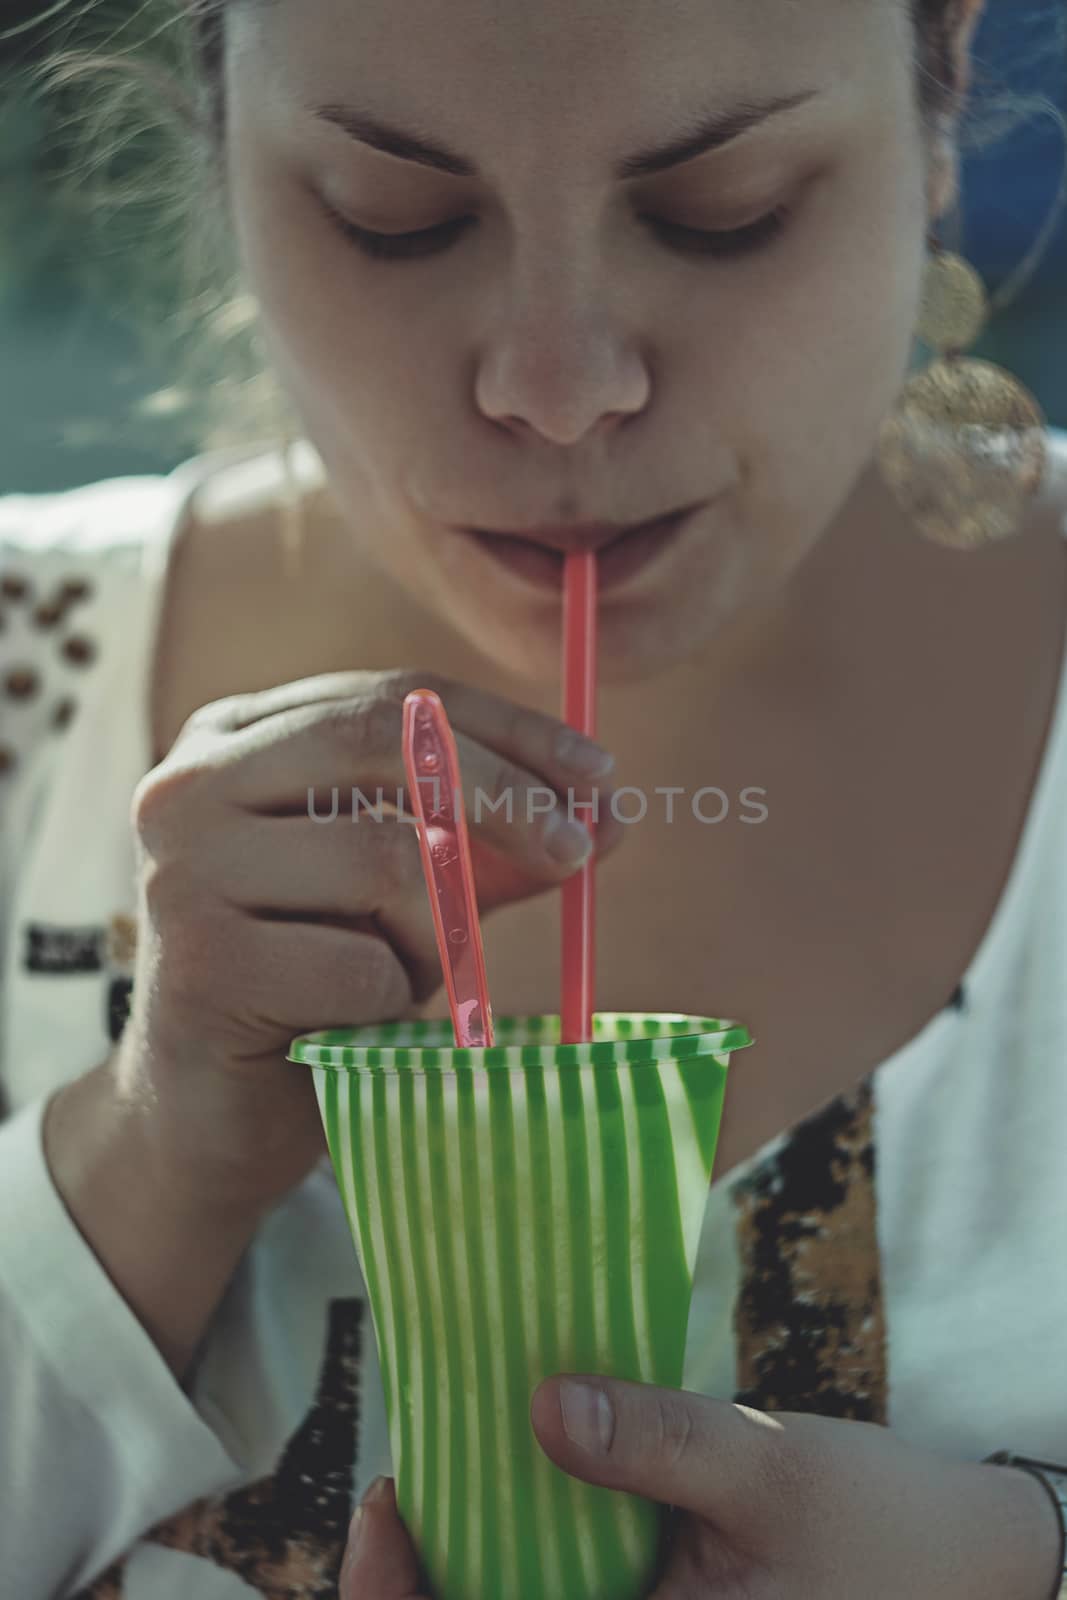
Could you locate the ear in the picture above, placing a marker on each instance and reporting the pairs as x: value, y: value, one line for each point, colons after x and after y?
x: 944, y: 161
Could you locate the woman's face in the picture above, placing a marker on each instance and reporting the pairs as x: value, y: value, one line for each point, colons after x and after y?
x: 565, y: 346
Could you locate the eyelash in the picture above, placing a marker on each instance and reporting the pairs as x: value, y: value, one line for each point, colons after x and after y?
x: 755, y: 236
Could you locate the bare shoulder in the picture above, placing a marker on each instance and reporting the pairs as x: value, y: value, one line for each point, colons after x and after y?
x: 239, y: 518
x: 227, y: 622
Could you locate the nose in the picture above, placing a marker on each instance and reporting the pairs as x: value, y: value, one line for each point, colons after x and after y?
x: 561, y: 375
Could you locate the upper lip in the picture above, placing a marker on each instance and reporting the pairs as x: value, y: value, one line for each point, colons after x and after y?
x: 578, y: 535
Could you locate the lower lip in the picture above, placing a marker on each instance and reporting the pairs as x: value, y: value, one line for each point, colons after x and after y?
x: 617, y: 562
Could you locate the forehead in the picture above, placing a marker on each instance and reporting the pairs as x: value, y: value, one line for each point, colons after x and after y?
x: 589, y: 74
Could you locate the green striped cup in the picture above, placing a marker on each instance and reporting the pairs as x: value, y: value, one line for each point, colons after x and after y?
x: 520, y: 1211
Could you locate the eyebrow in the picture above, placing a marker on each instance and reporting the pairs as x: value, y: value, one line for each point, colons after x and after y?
x: 711, y: 131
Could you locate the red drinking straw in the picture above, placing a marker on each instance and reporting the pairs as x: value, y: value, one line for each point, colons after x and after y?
x: 578, y: 934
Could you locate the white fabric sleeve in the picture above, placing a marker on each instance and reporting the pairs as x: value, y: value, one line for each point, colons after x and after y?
x: 98, y: 1441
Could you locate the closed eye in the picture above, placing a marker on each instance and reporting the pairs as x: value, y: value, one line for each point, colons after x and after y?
x: 402, y: 246
x: 736, y: 242
x: 722, y: 245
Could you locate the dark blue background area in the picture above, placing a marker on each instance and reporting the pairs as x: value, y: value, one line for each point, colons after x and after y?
x: 1008, y: 190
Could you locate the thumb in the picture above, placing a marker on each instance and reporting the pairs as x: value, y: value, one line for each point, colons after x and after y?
x: 682, y: 1449
x: 380, y: 1561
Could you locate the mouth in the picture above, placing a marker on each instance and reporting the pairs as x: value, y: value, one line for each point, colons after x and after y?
x: 621, y: 556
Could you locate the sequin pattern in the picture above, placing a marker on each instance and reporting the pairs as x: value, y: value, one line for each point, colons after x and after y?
x: 44, y: 646
x: 809, y: 1318
x: 285, y: 1534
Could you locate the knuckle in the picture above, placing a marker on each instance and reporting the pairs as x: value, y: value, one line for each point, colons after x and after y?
x: 170, y: 893
x: 674, y: 1440
x: 220, y: 713
x: 159, y: 795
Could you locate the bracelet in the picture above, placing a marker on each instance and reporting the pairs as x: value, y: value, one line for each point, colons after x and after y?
x: 1053, y: 1479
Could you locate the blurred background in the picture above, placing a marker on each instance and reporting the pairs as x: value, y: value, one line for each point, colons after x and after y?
x: 83, y: 396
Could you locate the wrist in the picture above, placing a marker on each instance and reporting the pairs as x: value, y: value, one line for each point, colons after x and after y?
x: 101, y: 1137
x: 1023, y: 1536
x: 168, y: 1251
x: 223, y: 1141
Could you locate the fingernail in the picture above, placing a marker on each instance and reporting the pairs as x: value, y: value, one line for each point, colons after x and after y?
x: 581, y: 756
x: 378, y: 1490
x: 566, y: 840
x: 357, y: 1527
x: 355, y: 1534
x: 588, y: 1417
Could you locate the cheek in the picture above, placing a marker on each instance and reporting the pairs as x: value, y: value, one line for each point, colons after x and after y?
x: 824, y: 331
x: 794, y: 362
x: 818, y: 360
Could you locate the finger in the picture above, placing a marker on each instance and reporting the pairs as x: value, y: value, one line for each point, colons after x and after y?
x: 283, y: 977
x: 383, y: 857
x: 707, y: 1456
x: 327, y: 867
x: 380, y: 1563
x: 544, y: 743
x: 363, y: 871
x: 520, y: 732
x: 366, y: 875
x: 357, y: 753
x: 274, y: 763
x: 346, y: 863
x: 340, y: 865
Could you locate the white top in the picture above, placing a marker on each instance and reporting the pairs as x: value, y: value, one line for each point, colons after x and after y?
x: 896, y: 1257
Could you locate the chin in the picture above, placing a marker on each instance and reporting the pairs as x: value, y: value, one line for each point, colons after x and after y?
x: 631, y: 647
x: 650, y: 622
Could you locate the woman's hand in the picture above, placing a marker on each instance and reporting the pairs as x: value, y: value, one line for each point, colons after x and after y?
x: 380, y: 1561
x: 782, y: 1506
x: 257, y: 922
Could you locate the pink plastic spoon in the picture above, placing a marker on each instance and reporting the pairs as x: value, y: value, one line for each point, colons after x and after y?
x: 432, y: 766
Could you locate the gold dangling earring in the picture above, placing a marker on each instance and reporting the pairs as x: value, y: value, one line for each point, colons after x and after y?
x: 966, y: 445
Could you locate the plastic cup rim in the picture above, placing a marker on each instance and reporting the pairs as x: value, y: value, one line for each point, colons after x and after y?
x: 634, y: 1049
